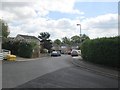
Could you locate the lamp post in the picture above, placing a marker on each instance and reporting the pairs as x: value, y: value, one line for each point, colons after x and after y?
x: 80, y: 31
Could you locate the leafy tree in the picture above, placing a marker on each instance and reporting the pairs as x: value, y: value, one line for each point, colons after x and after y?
x: 7, y: 45
x: 20, y: 48
x: 75, y: 39
x: 25, y: 49
x: 84, y: 37
x: 47, y: 44
x: 45, y: 41
x: 44, y: 36
x: 66, y: 40
x: 5, y: 30
x: 58, y: 42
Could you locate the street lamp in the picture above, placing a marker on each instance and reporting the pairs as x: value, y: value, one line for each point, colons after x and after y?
x: 80, y: 31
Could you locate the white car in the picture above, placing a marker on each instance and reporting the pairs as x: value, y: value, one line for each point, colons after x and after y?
x: 75, y: 52
x: 5, y: 53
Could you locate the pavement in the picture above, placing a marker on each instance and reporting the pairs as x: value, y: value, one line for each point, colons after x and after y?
x: 30, y: 59
x: 96, y: 68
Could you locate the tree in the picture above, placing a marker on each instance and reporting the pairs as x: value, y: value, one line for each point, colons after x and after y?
x: 75, y: 39
x: 45, y: 41
x: 44, y: 36
x: 47, y: 44
x: 5, y: 31
x: 25, y: 49
x: 57, y: 41
x: 66, y: 40
x: 84, y: 37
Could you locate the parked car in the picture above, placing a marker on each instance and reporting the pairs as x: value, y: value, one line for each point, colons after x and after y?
x: 56, y: 53
x: 5, y: 53
x: 75, y: 52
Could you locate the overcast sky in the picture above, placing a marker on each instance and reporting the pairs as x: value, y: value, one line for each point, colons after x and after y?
x: 59, y: 18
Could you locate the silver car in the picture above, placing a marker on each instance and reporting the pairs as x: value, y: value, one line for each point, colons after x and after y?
x: 56, y: 53
x: 75, y: 52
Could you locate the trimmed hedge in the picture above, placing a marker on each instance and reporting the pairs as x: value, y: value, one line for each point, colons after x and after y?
x: 25, y: 50
x: 20, y: 48
x: 103, y: 51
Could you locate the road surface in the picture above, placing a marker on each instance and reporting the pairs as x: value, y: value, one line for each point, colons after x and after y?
x: 52, y: 72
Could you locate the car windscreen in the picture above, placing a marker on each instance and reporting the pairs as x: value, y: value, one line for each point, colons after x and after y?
x: 54, y: 52
x: 74, y: 52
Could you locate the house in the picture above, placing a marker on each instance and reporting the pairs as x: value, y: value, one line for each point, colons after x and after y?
x: 56, y: 47
x: 65, y: 48
x: 11, y: 38
x: 27, y: 38
x: 75, y: 46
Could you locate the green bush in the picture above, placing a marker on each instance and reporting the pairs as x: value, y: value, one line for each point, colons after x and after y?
x: 20, y: 48
x: 25, y: 50
x: 103, y: 51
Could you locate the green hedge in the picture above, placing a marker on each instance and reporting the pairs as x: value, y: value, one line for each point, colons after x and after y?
x: 25, y: 50
x: 103, y: 51
x: 20, y: 48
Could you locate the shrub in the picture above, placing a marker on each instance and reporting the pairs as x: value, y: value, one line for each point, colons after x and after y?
x: 20, y: 48
x: 25, y: 50
x: 103, y: 51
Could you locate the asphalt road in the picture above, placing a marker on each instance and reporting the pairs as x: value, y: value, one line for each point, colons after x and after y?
x: 52, y: 72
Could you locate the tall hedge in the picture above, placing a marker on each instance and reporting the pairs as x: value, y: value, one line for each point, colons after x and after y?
x: 25, y: 50
x: 20, y: 48
x: 103, y: 51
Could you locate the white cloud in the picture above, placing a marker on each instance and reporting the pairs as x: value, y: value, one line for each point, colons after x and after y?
x: 62, y: 6
x: 101, y: 26
x: 102, y: 21
x: 7, y: 16
x: 17, y: 11
x: 40, y: 7
x: 30, y: 18
x: 25, y: 12
x: 75, y: 0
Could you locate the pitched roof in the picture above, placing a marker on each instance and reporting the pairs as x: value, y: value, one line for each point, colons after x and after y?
x: 27, y: 36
